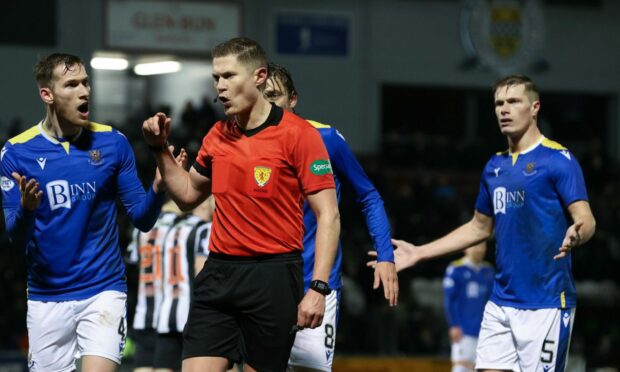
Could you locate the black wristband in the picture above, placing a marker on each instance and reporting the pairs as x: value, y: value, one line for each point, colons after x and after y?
x: 321, y: 287
x: 160, y: 148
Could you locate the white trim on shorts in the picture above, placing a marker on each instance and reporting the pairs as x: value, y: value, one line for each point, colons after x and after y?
x: 314, y: 348
x: 61, y: 332
x: 524, y: 339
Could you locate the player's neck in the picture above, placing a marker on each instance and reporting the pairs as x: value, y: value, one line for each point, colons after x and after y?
x: 256, y: 116
x: 523, y: 141
x: 59, y: 130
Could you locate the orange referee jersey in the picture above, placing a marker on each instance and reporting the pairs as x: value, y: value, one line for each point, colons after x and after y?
x: 260, y: 178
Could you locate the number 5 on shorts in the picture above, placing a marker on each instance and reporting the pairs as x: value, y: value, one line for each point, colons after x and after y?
x: 547, y: 351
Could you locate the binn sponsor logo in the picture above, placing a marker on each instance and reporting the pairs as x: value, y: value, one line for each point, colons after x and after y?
x: 61, y: 194
x: 503, y: 199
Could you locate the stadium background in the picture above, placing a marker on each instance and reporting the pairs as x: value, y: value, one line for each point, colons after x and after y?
x: 408, y: 84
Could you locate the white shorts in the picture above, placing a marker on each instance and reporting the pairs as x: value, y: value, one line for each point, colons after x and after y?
x: 314, y: 348
x: 60, y: 332
x: 524, y: 340
x: 464, y: 350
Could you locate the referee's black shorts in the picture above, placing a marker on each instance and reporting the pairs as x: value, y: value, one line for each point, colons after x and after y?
x: 144, y: 339
x: 245, y: 309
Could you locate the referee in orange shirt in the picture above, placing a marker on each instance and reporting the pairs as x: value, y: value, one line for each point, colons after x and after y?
x: 261, y: 163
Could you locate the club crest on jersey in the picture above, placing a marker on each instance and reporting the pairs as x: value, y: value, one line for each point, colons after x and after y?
x: 95, y: 157
x: 262, y: 175
x: 529, y: 169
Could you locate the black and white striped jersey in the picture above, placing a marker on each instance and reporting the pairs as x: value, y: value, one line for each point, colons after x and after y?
x: 146, y: 250
x: 186, y: 240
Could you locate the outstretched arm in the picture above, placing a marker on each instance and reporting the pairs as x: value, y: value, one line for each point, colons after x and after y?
x: 478, y: 229
x: 346, y: 166
x: 581, y: 230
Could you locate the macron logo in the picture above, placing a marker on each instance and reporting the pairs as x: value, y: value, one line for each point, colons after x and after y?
x: 41, y: 162
x: 328, y: 354
x: 566, y: 319
x: 4, y: 149
x: 566, y: 154
x: 496, y: 170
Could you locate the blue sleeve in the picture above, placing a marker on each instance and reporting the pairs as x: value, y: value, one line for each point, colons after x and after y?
x: 142, y: 207
x: 450, y: 293
x: 19, y: 225
x: 568, y: 178
x: 19, y: 222
x: 483, y: 201
x: 346, y: 166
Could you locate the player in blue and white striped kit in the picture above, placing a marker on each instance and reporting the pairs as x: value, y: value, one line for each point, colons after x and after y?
x: 467, y: 286
x: 60, y: 182
x: 534, y: 197
x: 314, y: 348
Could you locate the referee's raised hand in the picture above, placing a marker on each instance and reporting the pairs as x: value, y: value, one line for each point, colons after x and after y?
x: 156, y: 129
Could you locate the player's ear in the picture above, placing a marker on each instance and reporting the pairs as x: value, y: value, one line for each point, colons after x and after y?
x: 260, y: 75
x: 46, y: 95
x: 292, y: 102
x: 535, y: 108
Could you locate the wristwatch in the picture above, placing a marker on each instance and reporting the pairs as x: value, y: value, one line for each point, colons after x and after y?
x: 321, y: 287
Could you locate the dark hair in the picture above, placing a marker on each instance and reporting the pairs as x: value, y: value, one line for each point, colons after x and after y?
x: 279, y: 74
x: 530, y: 88
x: 247, y: 51
x: 44, y: 69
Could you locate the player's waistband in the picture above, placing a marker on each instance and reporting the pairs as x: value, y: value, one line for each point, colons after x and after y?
x: 277, y: 257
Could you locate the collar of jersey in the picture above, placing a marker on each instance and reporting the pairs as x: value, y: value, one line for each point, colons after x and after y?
x: 274, y: 118
x: 54, y: 140
x: 535, y: 145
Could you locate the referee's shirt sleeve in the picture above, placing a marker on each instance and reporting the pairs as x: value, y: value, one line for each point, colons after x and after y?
x: 311, y: 160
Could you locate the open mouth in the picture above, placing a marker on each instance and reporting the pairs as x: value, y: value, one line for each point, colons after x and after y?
x: 83, y: 108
